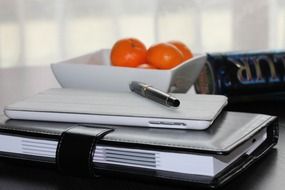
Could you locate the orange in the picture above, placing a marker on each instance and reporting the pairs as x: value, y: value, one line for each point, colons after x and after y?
x: 187, y: 54
x: 164, y: 56
x: 128, y: 52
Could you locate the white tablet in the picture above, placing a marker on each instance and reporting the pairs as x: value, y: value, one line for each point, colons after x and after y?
x: 120, y: 108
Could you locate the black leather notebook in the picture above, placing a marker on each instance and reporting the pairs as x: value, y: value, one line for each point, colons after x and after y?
x: 209, y: 158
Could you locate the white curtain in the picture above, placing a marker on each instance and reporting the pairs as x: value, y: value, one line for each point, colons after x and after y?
x: 34, y: 32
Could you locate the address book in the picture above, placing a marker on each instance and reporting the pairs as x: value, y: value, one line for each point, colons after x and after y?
x: 208, y: 158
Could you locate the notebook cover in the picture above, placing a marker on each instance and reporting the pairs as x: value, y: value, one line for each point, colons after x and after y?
x: 229, y: 131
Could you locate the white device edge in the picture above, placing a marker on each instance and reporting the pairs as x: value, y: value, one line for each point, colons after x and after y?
x: 108, y: 119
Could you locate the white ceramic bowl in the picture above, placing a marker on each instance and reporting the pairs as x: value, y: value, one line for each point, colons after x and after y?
x: 93, y: 71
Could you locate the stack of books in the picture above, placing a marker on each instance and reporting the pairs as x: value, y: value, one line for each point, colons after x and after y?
x: 87, y: 133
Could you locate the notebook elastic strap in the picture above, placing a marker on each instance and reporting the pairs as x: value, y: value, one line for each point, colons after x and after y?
x: 76, y: 148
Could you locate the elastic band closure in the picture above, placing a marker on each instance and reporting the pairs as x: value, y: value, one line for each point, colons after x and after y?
x: 76, y: 147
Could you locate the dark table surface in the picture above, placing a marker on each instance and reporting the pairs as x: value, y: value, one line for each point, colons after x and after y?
x: 18, y: 83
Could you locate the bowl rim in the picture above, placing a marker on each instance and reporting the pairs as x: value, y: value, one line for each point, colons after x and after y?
x: 69, y: 61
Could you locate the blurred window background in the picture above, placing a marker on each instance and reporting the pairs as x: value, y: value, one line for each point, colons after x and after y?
x: 38, y: 32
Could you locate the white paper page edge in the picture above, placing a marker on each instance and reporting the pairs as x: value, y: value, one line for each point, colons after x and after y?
x: 166, y: 161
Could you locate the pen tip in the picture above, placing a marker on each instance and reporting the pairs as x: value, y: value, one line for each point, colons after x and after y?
x: 176, y: 103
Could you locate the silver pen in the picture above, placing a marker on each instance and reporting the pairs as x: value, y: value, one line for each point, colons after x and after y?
x: 154, y: 94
